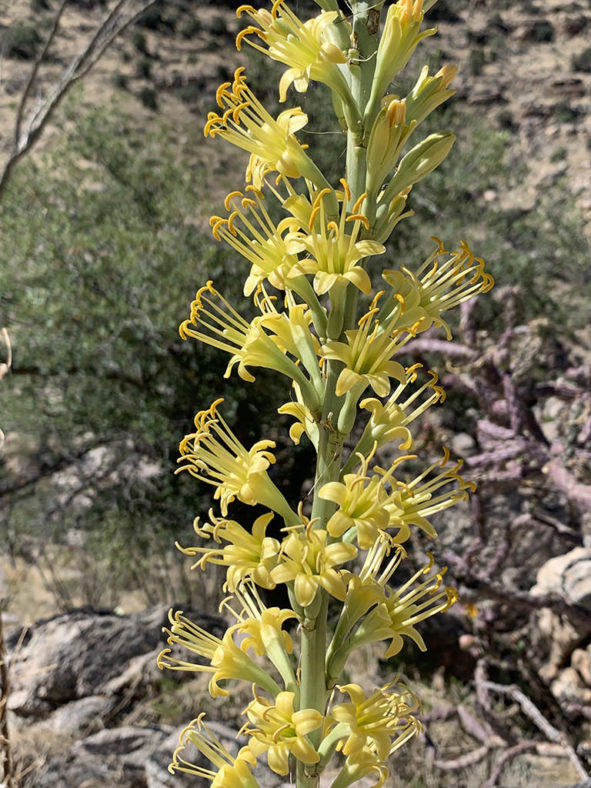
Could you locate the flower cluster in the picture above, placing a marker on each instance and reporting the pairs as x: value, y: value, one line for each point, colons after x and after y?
x: 336, y: 553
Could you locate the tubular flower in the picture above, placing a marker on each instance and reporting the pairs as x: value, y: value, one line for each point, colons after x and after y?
x: 304, y: 422
x: 261, y: 629
x: 389, y: 420
x: 278, y: 730
x: 361, y: 504
x: 214, y: 455
x: 375, y: 722
x: 250, y: 345
x: 388, y: 135
x: 367, y: 354
x: 333, y: 253
x: 233, y: 772
x: 308, y: 561
x: 251, y: 232
x: 227, y: 661
x: 270, y: 142
x: 429, y: 92
x: 412, y: 502
x: 247, y: 554
x: 402, y: 609
x: 399, y: 40
x: 440, y: 285
x: 304, y: 46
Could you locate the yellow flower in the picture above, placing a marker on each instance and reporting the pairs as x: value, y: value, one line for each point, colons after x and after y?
x: 389, y: 420
x: 233, y: 772
x: 333, y: 254
x: 308, y: 561
x: 304, y: 422
x: 227, y: 660
x: 429, y: 92
x: 270, y: 142
x: 400, y: 36
x: 278, y: 730
x: 361, y: 505
x: 251, y: 232
x: 367, y: 354
x: 439, y: 285
x: 304, y: 46
x: 402, y: 609
x: 412, y: 502
x: 214, y: 455
x: 388, y: 135
x: 249, y: 344
x: 261, y: 629
x: 375, y: 721
x: 247, y: 554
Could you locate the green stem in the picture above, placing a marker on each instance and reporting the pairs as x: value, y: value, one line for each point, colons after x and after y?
x: 313, y: 682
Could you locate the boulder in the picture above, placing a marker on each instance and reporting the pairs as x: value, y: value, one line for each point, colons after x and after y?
x: 569, y: 576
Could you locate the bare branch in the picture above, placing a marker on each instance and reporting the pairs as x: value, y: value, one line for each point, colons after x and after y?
x: 27, y: 133
x: 536, y: 716
x: 508, y: 755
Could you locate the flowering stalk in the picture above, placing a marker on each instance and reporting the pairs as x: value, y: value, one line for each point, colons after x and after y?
x: 318, y: 325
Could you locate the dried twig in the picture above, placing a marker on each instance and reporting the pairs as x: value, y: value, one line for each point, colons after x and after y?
x: 536, y: 716
x: 27, y: 132
x: 7, y: 769
x: 508, y: 755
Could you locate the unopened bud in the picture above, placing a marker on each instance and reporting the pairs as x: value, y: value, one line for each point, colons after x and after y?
x: 421, y: 160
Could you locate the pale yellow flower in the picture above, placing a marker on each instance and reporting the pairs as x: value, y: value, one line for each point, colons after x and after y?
x: 215, y: 322
x: 375, y: 721
x: 399, y: 38
x: 303, y: 46
x: 233, y: 772
x: 261, y: 629
x: 361, y: 504
x: 251, y: 232
x: 412, y: 502
x: 429, y: 92
x: 440, y: 284
x: 226, y: 659
x: 304, y: 422
x: 307, y: 560
x: 247, y: 554
x: 367, y: 354
x: 214, y: 455
x: 401, y: 609
x: 280, y: 731
x: 271, y: 142
x: 333, y: 253
x: 389, y: 420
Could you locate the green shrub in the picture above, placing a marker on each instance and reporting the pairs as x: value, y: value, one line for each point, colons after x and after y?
x: 21, y: 41
x: 143, y: 68
x: 582, y: 61
x: 148, y: 97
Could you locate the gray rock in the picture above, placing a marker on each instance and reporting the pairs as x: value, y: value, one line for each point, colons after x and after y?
x: 75, y: 655
x: 568, y: 575
x: 81, y: 717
